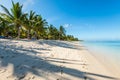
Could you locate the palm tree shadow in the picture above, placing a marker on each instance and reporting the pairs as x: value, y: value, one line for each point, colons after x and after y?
x: 64, y: 44
x: 24, y: 63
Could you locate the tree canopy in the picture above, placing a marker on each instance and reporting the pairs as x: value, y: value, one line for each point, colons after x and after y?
x: 17, y: 24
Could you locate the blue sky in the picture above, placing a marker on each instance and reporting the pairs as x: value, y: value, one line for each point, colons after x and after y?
x: 85, y: 19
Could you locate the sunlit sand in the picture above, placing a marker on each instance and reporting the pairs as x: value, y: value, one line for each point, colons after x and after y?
x: 49, y: 60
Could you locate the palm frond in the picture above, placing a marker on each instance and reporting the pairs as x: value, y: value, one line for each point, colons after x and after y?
x: 6, y: 11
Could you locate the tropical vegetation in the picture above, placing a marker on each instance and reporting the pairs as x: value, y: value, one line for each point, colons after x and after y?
x: 17, y: 24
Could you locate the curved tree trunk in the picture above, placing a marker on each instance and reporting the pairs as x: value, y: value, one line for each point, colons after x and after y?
x: 18, y: 29
x: 28, y: 34
x: 36, y: 35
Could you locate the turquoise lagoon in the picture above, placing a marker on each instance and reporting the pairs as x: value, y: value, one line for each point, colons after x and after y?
x: 107, y: 52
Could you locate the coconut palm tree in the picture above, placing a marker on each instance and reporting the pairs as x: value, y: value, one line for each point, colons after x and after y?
x: 28, y: 22
x: 53, y: 33
x: 4, y: 27
x: 15, y: 15
x: 39, y: 26
x: 61, y: 32
x: 1, y: 26
x: 43, y: 29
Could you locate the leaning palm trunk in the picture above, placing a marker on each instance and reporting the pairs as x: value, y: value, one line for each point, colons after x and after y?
x: 14, y: 16
x: 18, y: 30
x: 36, y: 35
x: 28, y: 34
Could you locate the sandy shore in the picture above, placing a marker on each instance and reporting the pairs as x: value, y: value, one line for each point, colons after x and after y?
x: 49, y: 60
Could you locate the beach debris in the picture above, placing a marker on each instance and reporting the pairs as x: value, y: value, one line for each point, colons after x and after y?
x: 21, y: 76
x: 61, y: 71
x: 83, y: 66
x: 85, y: 77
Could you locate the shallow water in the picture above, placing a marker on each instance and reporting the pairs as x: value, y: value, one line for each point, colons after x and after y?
x: 108, y: 52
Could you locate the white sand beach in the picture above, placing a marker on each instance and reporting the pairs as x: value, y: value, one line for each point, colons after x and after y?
x: 49, y: 60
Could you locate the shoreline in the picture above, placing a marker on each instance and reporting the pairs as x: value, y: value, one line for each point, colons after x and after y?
x: 105, y: 59
x: 49, y: 60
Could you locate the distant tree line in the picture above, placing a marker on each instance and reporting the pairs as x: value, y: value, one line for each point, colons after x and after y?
x: 16, y: 24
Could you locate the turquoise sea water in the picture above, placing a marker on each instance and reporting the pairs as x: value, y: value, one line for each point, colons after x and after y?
x: 107, y: 51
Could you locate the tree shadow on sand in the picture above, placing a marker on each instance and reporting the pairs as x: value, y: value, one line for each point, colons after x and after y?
x: 58, y: 43
x: 24, y: 63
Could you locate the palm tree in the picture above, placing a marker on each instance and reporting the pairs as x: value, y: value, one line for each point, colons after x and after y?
x: 39, y: 26
x: 43, y: 29
x: 28, y: 22
x: 1, y: 26
x: 53, y: 32
x: 4, y: 27
x: 61, y: 32
x: 15, y: 16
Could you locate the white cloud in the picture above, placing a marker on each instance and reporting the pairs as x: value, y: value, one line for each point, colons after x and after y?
x: 67, y: 25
